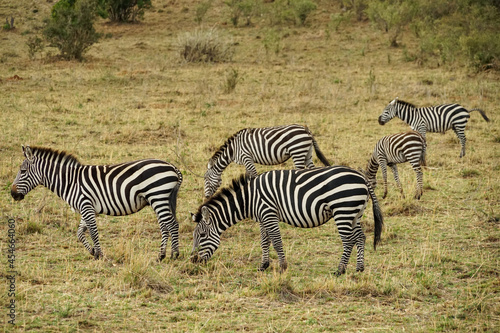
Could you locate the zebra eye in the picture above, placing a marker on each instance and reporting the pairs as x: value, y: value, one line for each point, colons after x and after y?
x: 23, y: 171
x: 203, y: 235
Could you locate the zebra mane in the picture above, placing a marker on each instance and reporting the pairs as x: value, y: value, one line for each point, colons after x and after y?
x: 236, y: 185
x: 229, y: 140
x: 42, y: 151
x: 403, y: 103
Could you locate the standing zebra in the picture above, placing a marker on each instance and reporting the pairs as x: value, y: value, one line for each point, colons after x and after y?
x: 398, y: 148
x: 120, y: 189
x: 439, y: 118
x: 267, y: 146
x: 302, y: 198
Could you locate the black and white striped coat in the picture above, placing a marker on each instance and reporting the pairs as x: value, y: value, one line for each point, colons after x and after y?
x: 302, y: 198
x: 266, y: 146
x: 120, y: 189
x: 394, y: 149
x: 439, y: 118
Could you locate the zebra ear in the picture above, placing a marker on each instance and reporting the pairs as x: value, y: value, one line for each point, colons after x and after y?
x: 210, y: 164
x: 205, y: 213
x: 28, y: 153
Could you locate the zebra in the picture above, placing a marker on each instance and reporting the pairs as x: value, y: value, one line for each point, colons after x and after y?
x: 398, y: 148
x: 304, y: 198
x: 267, y: 146
x: 439, y: 118
x: 120, y: 189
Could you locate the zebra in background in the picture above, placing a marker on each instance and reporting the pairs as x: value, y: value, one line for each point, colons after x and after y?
x: 120, y: 189
x: 302, y: 198
x: 267, y: 146
x: 439, y: 118
x: 398, y: 148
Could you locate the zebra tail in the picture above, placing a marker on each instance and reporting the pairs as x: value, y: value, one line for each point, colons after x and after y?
x: 423, y: 161
x: 482, y: 113
x: 320, y: 155
x: 377, y: 216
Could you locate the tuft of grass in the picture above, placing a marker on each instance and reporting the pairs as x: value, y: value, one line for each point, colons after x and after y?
x: 205, y: 46
x: 469, y: 173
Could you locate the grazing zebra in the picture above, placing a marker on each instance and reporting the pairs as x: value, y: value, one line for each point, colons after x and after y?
x: 439, y: 118
x: 120, y: 189
x: 302, y: 198
x: 267, y: 146
x: 398, y: 148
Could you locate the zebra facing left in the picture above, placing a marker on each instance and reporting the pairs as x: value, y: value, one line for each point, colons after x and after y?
x: 305, y: 198
x: 437, y: 119
x: 266, y: 146
x: 120, y: 189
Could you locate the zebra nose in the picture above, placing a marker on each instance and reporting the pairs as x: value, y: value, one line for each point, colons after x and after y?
x: 380, y: 121
x: 16, y: 195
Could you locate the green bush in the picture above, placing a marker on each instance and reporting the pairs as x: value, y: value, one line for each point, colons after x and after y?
x: 70, y: 27
x: 302, y: 9
x: 205, y: 46
x: 201, y: 10
x: 286, y: 12
x: 124, y: 10
x: 242, y: 9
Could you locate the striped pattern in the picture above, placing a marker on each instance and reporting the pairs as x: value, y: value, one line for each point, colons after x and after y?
x: 438, y: 118
x: 398, y: 148
x: 120, y: 189
x: 301, y: 198
x: 266, y: 146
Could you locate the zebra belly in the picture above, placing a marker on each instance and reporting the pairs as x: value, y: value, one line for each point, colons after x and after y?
x: 131, y: 208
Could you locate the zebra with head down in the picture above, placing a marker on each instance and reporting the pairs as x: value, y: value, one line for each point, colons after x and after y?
x: 302, y: 198
x: 266, y: 146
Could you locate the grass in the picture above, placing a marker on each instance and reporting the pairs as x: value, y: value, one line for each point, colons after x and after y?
x: 436, y: 269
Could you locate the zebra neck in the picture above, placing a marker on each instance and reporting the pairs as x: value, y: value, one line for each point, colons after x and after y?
x: 225, y: 158
x: 61, y: 178
x: 232, y: 208
x: 407, y: 113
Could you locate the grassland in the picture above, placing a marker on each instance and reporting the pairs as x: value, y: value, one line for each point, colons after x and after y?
x: 437, y: 268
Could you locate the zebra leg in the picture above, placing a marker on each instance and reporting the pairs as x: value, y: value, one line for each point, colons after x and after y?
x: 92, y: 226
x: 273, y: 232
x: 394, y: 168
x: 418, y: 171
x: 168, y: 226
x: 346, y: 235
x: 265, y: 242
x: 360, y: 245
x: 81, y: 236
x: 461, y: 136
x: 250, y: 168
x: 383, y: 167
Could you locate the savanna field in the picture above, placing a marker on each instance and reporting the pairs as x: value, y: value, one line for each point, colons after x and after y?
x: 133, y: 96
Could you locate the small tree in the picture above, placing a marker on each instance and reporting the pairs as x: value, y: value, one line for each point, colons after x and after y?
x: 125, y: 10
x: 70, y: 27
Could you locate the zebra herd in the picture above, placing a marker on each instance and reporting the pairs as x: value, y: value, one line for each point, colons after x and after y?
x: 304, y: 197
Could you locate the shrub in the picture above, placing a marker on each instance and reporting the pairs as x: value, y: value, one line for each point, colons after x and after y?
x: 70, y: 27
x: 125, y: 10
x: 201, y: 10
x: 232, y: 78
x: 302, y: 9
x: 35, y: 45
x: 242, y: 8
x: 205, y: 46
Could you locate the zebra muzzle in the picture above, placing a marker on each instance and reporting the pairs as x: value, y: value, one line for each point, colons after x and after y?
x: 380, y: 121
x: 16, y: 195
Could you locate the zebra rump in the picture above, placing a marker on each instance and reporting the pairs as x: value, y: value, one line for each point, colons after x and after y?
x: 302, y: 198
x: 120, y: 189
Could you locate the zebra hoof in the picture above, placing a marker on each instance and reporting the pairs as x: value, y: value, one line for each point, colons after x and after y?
x: 97, y: 254
x: 174, y: 255
x: 283, y: 267
x: 264, y: 266
x: 360, y: 269
x: 161, y: 257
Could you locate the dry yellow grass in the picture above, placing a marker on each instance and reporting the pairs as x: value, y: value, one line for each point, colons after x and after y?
x: 437, y: 268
